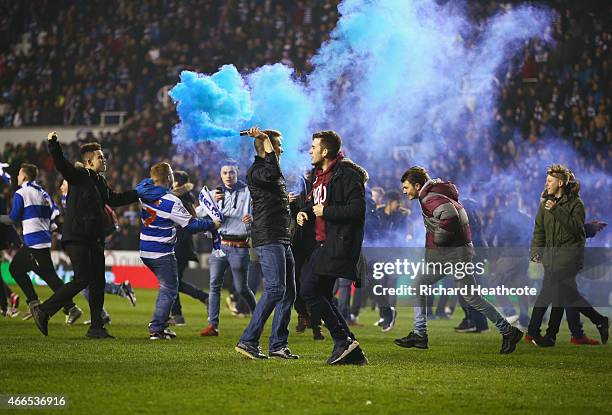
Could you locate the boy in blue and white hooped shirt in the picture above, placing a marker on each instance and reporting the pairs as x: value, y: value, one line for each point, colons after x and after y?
x: 34, y: 208
x: 161, y: 213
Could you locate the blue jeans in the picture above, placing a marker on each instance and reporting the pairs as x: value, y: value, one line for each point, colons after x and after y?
x: 474, y: 300
x: 253, y: 281
x: 166, y: 271
x: 277, y: 266
x: 238, y: 261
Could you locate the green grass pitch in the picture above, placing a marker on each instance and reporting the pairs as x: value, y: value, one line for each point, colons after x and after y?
x: 460, y: 373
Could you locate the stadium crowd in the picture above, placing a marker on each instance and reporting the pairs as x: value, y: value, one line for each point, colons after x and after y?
x: 66, y: 65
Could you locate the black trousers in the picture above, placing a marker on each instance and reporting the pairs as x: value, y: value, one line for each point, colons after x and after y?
x: 559, y: 289
x: 37, y: 260
x: 318, y: 293
x: 299, y: 305
x: 88, y: 264
x: 185, y: 288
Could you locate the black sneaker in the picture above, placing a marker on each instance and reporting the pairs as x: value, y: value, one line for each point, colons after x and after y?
x: 356, y: 357
x: 41, y: 319
x: 249, y: 351
x: 98, y: 334
x: 128, y: 292
x: 106, y: 320
x: 413, y: 340
x: 465, y: 327
x: 510, y: 340
x: 284, y: 353
x: 543, y: 341
x: 159, y: 335
x: 341, y: 351
x: 604, y: 330
x: 388, y: 325
x: 28, y: 314
x: 170, y: 333
x: 73, y: 315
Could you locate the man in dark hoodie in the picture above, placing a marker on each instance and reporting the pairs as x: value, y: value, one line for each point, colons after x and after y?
x: 184, y: 249
x: 83, y: 233
x: 448, y: 240
x: 336, y: 211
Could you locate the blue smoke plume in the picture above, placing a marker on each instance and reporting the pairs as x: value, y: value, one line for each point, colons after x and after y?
x: 396, y: 78
x: 397, y: 69
x: 211, y: 107
x: 218, y: 106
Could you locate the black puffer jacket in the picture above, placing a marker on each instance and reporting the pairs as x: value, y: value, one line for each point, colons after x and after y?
x: 88, y: 192
x: 271, y: 214
x: 344, y: 217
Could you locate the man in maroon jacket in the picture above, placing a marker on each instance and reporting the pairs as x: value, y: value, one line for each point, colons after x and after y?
x: 448, y: 240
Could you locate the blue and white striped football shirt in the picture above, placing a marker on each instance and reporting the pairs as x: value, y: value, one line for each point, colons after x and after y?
x: 158, y: 228
x: 34, y: 208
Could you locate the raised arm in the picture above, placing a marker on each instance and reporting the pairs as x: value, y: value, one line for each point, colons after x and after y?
x: 72, y: 174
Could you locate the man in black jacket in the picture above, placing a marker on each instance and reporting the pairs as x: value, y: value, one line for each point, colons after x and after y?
x: 336, y: 210
x: 85, y: 221
x: 271, y: 239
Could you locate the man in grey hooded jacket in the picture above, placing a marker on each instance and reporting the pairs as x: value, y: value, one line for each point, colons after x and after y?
x: 234, y: 201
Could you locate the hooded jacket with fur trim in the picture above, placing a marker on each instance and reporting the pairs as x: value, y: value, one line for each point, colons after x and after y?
x: 558, y: 235
x: 344, y: 216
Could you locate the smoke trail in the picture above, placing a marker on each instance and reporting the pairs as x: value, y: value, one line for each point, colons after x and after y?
x: 396, y: 74
x: 401, y: 70
x: 217, y: 107
x: 211, y: 107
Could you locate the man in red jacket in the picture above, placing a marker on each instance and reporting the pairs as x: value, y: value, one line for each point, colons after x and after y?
x: 335, y: 213
x: 448, y: 240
